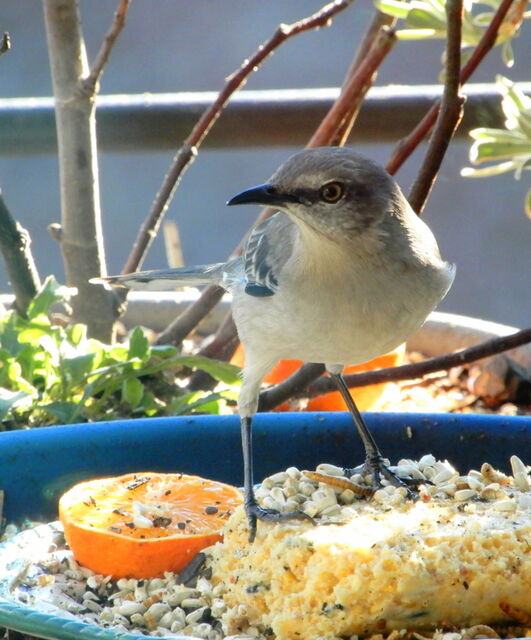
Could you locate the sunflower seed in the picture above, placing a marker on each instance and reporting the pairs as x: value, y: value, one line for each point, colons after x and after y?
x: 504, y: 505
x: 293, y: 473
x: 474, y: 482
x: 517, y: 465
x: 329, y: 469
x: 192, y: 603
x: 465, y: 494
x: 197, y: 615
x: 442, y: 476
x: 128, y: 607
x: 521, y: 481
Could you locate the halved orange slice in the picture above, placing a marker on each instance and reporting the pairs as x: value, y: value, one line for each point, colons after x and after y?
x: 140, y: 525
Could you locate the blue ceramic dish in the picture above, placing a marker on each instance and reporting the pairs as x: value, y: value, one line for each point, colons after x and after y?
x: 38, y: 465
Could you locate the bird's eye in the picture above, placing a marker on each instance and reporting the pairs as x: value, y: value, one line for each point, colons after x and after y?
x: 332, y: 192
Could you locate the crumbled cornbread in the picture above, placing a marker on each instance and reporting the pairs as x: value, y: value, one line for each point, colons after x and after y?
x: 378, y: 565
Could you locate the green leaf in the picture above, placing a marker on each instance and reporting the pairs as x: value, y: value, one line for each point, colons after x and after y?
x: 63, y: 412
x: 514, y: 99
x: 190, y: 402
x: 138, y: 344
x: 17, y: 380
x: 10, y: 400
x: 417, y: 34
x: 393, y: 8
x: 132, y: 392
x: 9, y: 335
x: 164, y: 351
x: 422, y: 19
x: 523, y: 123
x: 487, y: 172
x: 77, y: 333
x: 483, y: 19
x: 494, y: 4
x: 47, y: 296
x: 436, y: 8
x: 508, y: 54
x: 117, y: 354
x: 150, y: 405
x: 496, y: 135
x: 498, y: 150
x: 77, y: 368
x: 527, y: 203
x: 222, y: 371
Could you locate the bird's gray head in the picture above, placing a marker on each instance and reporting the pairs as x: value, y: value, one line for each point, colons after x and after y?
x: 332, y: 189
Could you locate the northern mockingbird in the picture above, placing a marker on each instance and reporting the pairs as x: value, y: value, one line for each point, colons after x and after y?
x: 344, y: 273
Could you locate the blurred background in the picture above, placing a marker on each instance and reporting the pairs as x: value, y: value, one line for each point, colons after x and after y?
x: 172, y: 45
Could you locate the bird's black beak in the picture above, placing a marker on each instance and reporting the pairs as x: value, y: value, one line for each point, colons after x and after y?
x: 265, y: 194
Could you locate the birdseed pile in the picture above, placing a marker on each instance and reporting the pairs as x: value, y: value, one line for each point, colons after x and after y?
x: 278, y: 589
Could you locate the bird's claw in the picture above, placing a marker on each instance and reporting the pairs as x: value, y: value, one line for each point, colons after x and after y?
x: 255, y: 512
x: 375, y: 468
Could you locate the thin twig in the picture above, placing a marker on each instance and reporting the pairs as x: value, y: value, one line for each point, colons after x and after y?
x: 186, y: 322
x: 407, y: 145
x: 294, y: 386
x: 187, y: 152
x: 5, y: 43
x: 221, y: 347
x: 89, y: 84
x: 355, y: 89
x: 370, y: 37
x: 450, y: 112
x: 273, y: 397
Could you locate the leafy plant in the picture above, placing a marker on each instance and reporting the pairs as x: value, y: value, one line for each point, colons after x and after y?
x: 427, y: 19
x: 511, y: 145
x: 50, y: 373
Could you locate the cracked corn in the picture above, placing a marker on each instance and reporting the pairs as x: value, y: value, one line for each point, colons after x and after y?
x: 452, y: 557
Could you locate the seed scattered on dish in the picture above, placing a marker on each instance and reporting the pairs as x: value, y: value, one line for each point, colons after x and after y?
x: 214, y: 601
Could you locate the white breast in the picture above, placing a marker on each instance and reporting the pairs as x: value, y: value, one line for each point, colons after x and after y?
x: 338, y: 307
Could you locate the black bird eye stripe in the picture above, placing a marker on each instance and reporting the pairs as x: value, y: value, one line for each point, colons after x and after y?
x: 304, y: 196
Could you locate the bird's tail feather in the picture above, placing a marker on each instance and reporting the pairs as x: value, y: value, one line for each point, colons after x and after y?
x: 167, y: 279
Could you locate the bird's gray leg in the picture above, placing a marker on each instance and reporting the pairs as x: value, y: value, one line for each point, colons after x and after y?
x: 374, y: 460
x: 253, y: 510
x: 248, y: 403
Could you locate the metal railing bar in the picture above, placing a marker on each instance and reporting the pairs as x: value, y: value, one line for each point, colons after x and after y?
x: 266, y: 118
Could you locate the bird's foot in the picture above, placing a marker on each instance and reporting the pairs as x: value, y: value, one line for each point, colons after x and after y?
x: 255, y: 512
x: 375, y: 467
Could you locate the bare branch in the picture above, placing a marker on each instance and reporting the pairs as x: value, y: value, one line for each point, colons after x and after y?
x: 355, y: 89
x: 5, y: 43
x: 297, y: 384
x: 15, y: 247
x: 81, y: 237
x: 187, y: 153
x: 292, y: 387
x: 370, y: 37
x: 186, y: 322
x: 450, y: 112
x: 407, y: 145
x: 89, y: 84
x: 418, y: 369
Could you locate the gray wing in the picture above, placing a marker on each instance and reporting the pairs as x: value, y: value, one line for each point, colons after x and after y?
x: 268, y: 248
